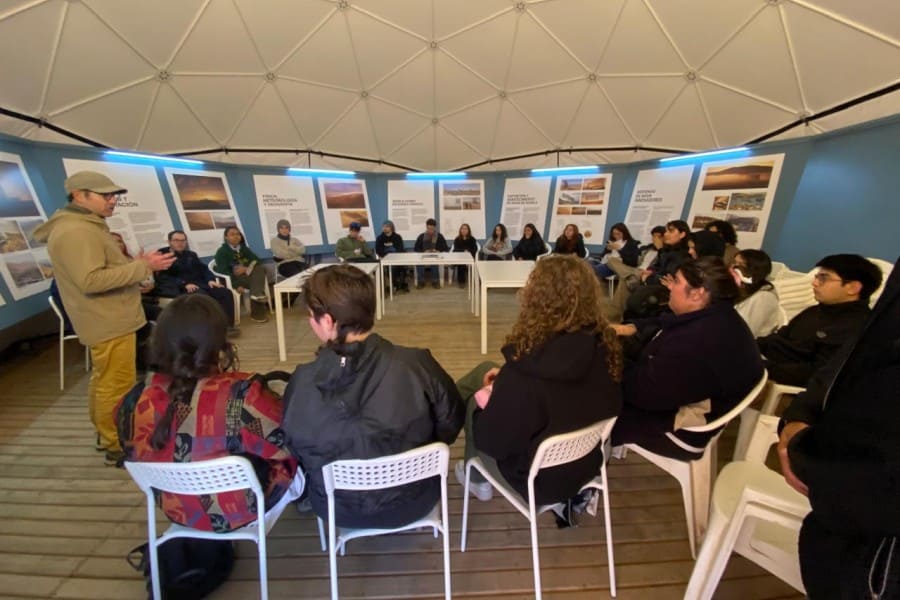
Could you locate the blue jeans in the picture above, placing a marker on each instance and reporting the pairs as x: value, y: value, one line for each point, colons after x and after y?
x: 420, y: 274
x: 602, y: 270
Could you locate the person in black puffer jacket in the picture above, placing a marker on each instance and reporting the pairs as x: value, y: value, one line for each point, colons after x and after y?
x: 363, y: 397
x: 531, y: 245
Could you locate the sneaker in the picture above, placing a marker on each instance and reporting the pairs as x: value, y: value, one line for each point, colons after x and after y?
x: 483, y: 491
x: 115, y: 458
x: 303, y: 505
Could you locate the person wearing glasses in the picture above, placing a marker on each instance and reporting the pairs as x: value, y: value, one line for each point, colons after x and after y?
x: 100, y: 287
x: 842, y: 287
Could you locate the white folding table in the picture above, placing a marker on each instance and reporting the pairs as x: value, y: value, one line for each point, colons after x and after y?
x: 430, y: 259
x: 499, y: 274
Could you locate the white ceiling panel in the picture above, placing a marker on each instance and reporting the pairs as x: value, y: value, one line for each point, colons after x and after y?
x: 876, y: 15
x: 267, y: 124
x: 418, y: 152
x: 735, y: 117
x: 552, y: 108
x: 582, y: 26
x: 278, y: 26
x: 172, y: 127
x: 219, y: 101
x: 537, y: 58
x: 115, y: 120
x: 411, y: 85
x: 638, y: 45
x: 352, y: 134
x: 314, y: 108
x: 451, y: 16
x: 414, y: 16
x: 326, y: 57
x: 30, y: 38
x: 515, y: 134
x: 218, y: 43
x: 596, y: 120
x: 486, y: 48
x: 393, y: 125
x: 452, y: 152
x: 457, y: 86
x: 683, y: 123
x: 379, y: 47
x: 476, y: 125
x: 642, y: 100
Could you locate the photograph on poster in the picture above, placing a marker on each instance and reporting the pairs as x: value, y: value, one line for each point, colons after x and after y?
x: 452, y: 204
x: 720, y: 202
x: 341, y: 195
x: 741, y: 223
x: 223, y: 220
x: 204, y: 202
x: 754, y: 174
x: 592, y: 198
x: 11, y: 237
x: 355, y: 216
x: 567, y: 185
x: 28, y: 226
x: 199, y: 221
x: 701, y: 221
x: 595, y: 211
x: 569, y: 198
x: 594, y: 183
x: 24, y: 270
x: 345, y: 201
x: 466, y: 188
x: 15, y: 198
x: 741, y: 201
x: 199, y: 192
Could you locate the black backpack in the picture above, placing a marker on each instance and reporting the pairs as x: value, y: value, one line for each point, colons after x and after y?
x: 189, y: 568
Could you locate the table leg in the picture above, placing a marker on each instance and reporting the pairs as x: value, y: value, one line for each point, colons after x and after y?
x: 379, y: 297
x: 390, y: 284
x: 476, y: 285
x: 279, y: 325
x: 484, y: 291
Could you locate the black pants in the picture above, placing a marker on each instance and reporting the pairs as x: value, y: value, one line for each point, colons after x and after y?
x: 838, y: 565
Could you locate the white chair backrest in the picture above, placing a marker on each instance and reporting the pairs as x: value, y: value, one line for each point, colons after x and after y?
x: 795, y: 293
x: 765, y: 434
x: 778, y: 270
x: 587, y: 253
x: 569, y: 447
x: 225, y: 474
x: 734, y: 412
x: 547, y: 251
x: 55, y: 309
x: 886, y: 269
x: 387, y: 471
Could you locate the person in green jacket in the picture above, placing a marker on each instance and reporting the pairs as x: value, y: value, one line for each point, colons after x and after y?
x: 236, y: 259
x: 353, y: 248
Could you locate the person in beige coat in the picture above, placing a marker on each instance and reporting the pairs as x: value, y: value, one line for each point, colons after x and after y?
x: 100, y: 288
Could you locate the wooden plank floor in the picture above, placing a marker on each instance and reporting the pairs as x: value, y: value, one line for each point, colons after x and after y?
x: 66, y: 521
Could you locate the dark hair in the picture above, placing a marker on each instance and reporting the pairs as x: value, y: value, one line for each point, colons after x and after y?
x: 188, y: 344
x: 658, y: 230
x: 430, y: 222
x: 503, y: 234
x: 229, y: 228
x: 853, y: 267
x: 626, y: 235
x: 534, y: 234
x: 724, y: 229
x: 708, y: 243
x: 345, y: 293
x: 683, y: 227
x: 758, y: 269
x: 175, y: 232
x: 711, y: 274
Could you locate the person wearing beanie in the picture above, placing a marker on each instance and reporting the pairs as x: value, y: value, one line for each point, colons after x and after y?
x: 287, y: 248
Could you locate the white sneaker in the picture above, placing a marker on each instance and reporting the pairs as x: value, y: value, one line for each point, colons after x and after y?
x: 483, y: 491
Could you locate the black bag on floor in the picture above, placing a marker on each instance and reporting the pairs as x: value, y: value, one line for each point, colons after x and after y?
x: 189, y: 568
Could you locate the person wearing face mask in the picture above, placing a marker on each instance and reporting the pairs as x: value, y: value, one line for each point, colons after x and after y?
x: 758, y: 302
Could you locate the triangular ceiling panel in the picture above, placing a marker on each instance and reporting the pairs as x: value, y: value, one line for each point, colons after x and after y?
x: 878, y: 108
x: 515, y: 134
x: 476, y: 125
x: 412, y: 85
x: 218, y: 43
x: 172, y: 127
x: 326, y: 57
x: 16, y: 127
x: 451, y: 16
x: 314, y: 108
x: 485, y: 48
x: 379, y: 47
x: 537, y: 58
x: 418, y: 152
x: 800, y: 131
x: 218, y: 101
x: 414, y: 16
x: 596, y: 124
x: 684, y: 125
x: 878, y: 15
x: 737, y: 119
x: 153, y: 28
x: 352, y: 134
x: 642, y: 100
x: 115, y: 120
x: 552, y: 108
x: 69, y: 84
x: 452, y: 152
x: 267, y: 124
x: 839, y: 58
x: 455, y: 86
x: 393, y: 125
x: 277, y: 26
x: 43, y: 134
x: 583, y: 26
x: 763, y: 69
x: 638, y: 45
x: 27, y: 43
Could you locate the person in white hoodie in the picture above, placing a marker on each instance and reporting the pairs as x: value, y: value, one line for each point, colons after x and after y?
x: 758, y: 302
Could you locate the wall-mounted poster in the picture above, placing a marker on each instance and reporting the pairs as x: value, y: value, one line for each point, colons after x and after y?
x: 460, y: 201
x: 525, y: 201
x: 740, y: 192
x: 141, y: 216
x: 580, y: 200
x: 345, y: 201
x: 23, y: 261
x: 410, y: 204
x: 292, y: 198
x: 658, y: 198
x: 205, y: 205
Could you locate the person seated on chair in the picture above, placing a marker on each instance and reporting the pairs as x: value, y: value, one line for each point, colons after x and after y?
x: 531, y: 245
x: 620, y: 245
x: 352, y: 247
x: 363, y: 397
x: 700, y: 362
x: 570, y: 242
x: 464, y: 242
x: 498, y: 246
x: 390, y: 242
x: 149, y: 302
x: 287, y: 248
x: 842, y: 287
x: 188, y: 275
x: 429, y: 242
x: 726, y: 231
x: 758, y: 302
x: 195, y: 406
x: 236, y: 259
x: 562, y: 371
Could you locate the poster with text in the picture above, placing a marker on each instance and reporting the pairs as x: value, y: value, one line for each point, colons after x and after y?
x: 525, y: 201
x: 24, y: 262
x: 461, y: 202
x: 291, y: 198
x: 345, y: 201
x: 141, y: 216
x: 580, y: 200
x: 740, y: 192
x: 410, y: 204
x: 206, y: 207
x: 658, y: 198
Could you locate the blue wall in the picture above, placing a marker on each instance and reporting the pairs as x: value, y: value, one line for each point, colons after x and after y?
x: 837, y: 193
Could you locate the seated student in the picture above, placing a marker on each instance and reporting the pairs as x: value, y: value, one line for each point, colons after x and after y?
x: 570, y: 242
x: 464, y: 242
x: 389, y: 242
x: 562, y: 371
x: 498, y: 246
x: 352, y: 247
x: 620, y: 245
x: 758, y: 302
x: 648, y: 253
x: 729, y: 236
x: 842, y: 287
x: 531, y: 245
x: 287, y: 248
x: 181, y: 417
x: 430, y: 241
x: 363, y: 397
x: 701, y: 361
x: 236, y: 259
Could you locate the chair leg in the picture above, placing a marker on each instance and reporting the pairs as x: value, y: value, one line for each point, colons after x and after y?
x: 607, y: 523
x: 702, y: 584
x: 322, y: 534
x: 465, y: 521
x: 445, y: 533
x: 701, y: 483
x: 332, y: 555
x: 535, y: 554
x: 749, y: 417
x: 62, y: 360
x: 263, y: 568
x: 688, y: 497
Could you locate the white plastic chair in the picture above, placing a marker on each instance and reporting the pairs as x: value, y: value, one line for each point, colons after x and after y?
x: 754, y: 513
x: 224, y: 474
x: 886, y: 268
x: 749, y: 416
x: 795, y: 293
x: 553, y: 451
x: 778, y: 270
x: 245, y: 297
x: 547, y: 252
x: 428, y: 461
x: 696, y: 476
x: 611, y: 281
x: 62, y: 345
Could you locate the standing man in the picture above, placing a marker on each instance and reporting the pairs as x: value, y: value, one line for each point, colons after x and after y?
x: 100, y: 289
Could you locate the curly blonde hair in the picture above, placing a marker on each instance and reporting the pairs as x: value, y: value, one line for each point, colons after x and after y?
x: 563, y: 295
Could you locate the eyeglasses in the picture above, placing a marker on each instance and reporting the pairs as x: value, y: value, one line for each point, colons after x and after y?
x: 106, y: 197
x: 178, y: 240
x: 823, y: 278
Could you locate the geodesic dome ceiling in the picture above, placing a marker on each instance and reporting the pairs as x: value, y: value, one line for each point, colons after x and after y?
x: 442, y: 84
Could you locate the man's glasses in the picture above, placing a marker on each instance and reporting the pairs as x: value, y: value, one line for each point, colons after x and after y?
x: 106, y: 197
x: 825, y: 278
x: 178, y: 240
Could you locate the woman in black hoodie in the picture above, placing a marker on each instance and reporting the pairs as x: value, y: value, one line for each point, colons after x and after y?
x: 531, y: 245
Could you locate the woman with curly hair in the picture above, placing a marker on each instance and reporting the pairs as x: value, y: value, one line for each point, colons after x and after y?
x: 570, y: 242
x: 563, y: 365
